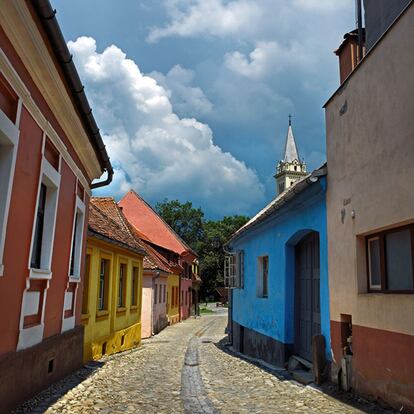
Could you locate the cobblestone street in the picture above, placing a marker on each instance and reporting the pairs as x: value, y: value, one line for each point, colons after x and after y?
x: 185, y: 369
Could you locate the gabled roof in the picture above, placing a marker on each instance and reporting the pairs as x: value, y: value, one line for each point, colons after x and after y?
x: 291, y: 151
x: 155, y: 260
x: 150, y: 225
x: 107, y: 222
x: 296, y: 188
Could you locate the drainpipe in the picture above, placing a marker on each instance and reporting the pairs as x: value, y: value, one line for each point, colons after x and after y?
x: 359, y: 21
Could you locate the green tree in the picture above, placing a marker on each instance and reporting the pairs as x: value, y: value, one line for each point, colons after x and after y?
x: 217, y: 233
x: 205, y: 237
x: 186, y: 220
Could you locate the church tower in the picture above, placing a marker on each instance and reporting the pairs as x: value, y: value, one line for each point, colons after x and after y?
x: 291, y: 168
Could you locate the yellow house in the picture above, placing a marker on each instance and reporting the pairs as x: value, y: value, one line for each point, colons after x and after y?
x: 112, y: 295
x: 173, y: 299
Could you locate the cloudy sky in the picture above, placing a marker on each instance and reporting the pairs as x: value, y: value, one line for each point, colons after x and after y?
x: 193, y: 96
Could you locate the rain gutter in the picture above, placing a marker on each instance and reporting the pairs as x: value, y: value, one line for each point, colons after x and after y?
x: 47, y: 16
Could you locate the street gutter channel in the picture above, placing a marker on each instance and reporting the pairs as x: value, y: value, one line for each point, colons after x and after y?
x: 193, y: 394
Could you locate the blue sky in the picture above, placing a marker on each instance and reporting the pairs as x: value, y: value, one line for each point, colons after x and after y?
x: 193, y: 96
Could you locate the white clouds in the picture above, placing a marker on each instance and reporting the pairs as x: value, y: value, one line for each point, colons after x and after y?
x: 187, y: 100
x: 151, y: 148
x: 207, y: 17
x: 269, y: 58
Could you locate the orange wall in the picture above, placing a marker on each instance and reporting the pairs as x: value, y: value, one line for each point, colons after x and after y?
x: 19, y: 230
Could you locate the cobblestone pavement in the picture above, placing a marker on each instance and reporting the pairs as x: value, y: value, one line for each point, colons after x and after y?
x: 184, y: 369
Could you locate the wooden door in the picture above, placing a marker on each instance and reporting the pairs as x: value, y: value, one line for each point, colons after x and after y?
x: 307, y: 295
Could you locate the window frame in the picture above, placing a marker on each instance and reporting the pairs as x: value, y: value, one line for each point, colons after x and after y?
x: 10, y: 134
x: 383, y: 265
x: 77, y: 241
x: 106, y: 286
x: 134, y: 288
x: 51, y: 178
x: 121, y: 293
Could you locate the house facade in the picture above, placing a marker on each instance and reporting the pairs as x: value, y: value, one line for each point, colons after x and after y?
x: 50, y: 152
x: 180, y: 290
x: 157, y: 271
x: 281, y: 299
x: 370, y: 143
x: 112, y: 296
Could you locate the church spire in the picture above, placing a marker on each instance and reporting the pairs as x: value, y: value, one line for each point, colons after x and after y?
x: 291, y: 151
x: 290, y: 168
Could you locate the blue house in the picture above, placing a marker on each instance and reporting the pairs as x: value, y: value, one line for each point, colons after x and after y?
x: 280, y: 299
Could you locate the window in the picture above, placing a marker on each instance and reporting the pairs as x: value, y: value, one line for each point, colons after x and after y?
x: 160, y: 296
x: 155, y: 293
x: 45, y: 219
x: 281, y: 188
x: 103, y: 285
x: 134, y: 291
x: 86, y: 285
x: 263, y: 276
x: 164, y: 292
x: 122, y: 285
x: 77, y: 236
x: 38, y: 234
x: 390, y: 260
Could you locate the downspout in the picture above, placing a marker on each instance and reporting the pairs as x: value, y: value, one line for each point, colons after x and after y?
x: 359, y: 22
x: 47, y: 16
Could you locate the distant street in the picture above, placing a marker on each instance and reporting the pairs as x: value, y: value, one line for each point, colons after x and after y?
x: 185, y: 369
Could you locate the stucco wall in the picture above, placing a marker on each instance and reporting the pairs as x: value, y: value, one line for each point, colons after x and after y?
x: 274, y: 316
x: 146, y: 318
x: 172, y: 311
x: 186, y: 298
x: 110, y: 325
x: 370, y: 157
x: 160, y: 308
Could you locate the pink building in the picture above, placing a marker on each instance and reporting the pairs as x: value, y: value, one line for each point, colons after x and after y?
x: 154, y: 292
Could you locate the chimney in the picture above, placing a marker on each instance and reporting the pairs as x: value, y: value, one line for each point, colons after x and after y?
x: 352, y: 49
x: 348, y: 53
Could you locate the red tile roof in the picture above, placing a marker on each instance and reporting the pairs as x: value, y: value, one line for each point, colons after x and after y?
x: 106, y: 220
x: 150, y: 225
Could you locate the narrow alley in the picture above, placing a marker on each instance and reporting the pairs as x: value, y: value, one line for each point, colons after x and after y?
x: 187, y: 368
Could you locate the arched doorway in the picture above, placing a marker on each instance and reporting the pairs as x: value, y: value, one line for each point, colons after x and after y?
x: 307, y: 294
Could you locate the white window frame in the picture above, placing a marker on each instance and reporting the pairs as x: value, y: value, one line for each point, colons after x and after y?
x: 79, y: 209
x: 234, y: 270
x: 51, y: 178
x: 9, y: 136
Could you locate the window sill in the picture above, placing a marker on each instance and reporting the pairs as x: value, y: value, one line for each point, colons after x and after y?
x: 40, y: 274
x: 121, y: 310
x: 85, y: 317
x: 386, y: 293
x: 74, y: 279
x: 102, y: 314
x: 262, y: 297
